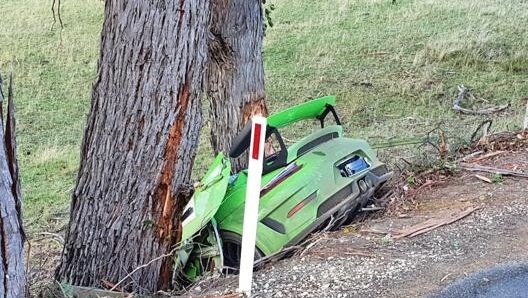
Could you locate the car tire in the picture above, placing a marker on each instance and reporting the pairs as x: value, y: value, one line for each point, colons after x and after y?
x: 231, y: 248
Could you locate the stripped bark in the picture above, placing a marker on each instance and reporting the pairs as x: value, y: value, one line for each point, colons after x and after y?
x: 139, y: 145
x: 235, y: 71
x: 12, y: 237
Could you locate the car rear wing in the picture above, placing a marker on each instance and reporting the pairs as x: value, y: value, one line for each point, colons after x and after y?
x: 314, y: 109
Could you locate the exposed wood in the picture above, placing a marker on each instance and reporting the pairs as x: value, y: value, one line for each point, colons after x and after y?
x: 139, y: 145
x: 12, y: 237
x: 431, y: 224
x: 479, y: 168
x: 485, y: 179
x: 235, y: 71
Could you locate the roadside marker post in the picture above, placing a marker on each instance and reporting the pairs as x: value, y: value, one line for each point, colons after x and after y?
x: 249, y: 234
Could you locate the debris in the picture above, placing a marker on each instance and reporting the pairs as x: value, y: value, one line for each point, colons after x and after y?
x: 462, y: 92
x: 485, y: 179
x: 470, y: 156
x: 431, y: 224
x: 491, y: 154
x: 479, y: 168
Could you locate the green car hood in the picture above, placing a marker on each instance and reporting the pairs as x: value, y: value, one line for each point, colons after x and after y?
x: 207, y: 197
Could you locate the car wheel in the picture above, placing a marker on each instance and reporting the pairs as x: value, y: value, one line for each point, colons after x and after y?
x: 232, y: 246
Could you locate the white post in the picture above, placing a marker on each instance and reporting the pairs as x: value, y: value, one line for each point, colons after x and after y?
x: 256, y: 154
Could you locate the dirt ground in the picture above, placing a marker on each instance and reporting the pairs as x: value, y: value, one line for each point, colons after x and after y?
x: 368, y: 260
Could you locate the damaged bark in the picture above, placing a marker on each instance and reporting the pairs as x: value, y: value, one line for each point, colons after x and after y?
x: 12, y: 237
x: 235, y: 71
x: 139, y: 145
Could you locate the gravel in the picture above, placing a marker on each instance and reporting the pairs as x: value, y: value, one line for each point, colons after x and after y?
x: 408, y: 267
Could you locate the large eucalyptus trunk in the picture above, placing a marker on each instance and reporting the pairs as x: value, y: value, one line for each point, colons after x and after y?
x: 235, y: 71
x: 139, y: 146
x: 12, y: 275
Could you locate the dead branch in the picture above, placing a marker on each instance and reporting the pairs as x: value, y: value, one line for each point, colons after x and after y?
x: 462, y: 92
x: 470, y: 156
x: 479, y: 168
x: 431, y: 224
x: 486, y: 156
x: 485, y: 111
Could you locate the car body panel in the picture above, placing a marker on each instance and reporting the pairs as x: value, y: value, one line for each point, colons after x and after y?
x: 307, y: 110
x: 320, y: 181
x: 207, y: 198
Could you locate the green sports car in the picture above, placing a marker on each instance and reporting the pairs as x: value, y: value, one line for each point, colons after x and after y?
x: 320, y: 181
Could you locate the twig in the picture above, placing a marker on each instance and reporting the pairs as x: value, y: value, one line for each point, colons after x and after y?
x: 59, y: 237
x: 479, y: 168
x: 366, y: 209
x: 170, y: 253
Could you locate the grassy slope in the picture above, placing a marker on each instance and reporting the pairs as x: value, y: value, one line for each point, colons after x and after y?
x: 414, y: 53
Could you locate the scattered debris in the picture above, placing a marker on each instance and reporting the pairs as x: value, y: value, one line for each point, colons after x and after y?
x: 431, y: 224
x: 479, y: 168
x: 462, y: 92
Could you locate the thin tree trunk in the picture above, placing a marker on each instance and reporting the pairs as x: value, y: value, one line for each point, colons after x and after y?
x: 139, y: 145
x: 12, y: 237
x: 235, y: 71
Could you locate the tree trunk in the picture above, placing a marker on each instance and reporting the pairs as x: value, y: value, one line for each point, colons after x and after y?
x: 12, y: 275
x: 139, y: 145
x: 235, y: 71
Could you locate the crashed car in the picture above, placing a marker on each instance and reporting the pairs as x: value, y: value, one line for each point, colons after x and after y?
x: 319, y: 182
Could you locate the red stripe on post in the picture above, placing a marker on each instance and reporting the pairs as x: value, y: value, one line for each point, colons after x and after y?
x: 256, y: 142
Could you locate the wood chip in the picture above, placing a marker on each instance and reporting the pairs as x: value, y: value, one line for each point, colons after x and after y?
x: 485, y: 179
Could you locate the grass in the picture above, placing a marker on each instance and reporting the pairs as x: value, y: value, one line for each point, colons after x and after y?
x: 414, y: 54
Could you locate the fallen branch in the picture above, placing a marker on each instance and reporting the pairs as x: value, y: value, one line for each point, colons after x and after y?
x: 479, y: 168
x: 485, y: 111
x: 431, y: 224
x: 462, y: 91
x: 470, y: 156
x: 491, y: 154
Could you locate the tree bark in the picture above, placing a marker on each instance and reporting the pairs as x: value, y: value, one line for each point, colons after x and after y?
x: 235, y: 70
x: 139, y: 145
x: 12, y: 237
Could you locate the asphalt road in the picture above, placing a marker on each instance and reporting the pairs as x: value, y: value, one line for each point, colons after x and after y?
x: 504, y: 281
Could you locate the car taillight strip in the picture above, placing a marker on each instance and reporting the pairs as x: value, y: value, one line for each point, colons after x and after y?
x: 287, y: 172
x: 302, y: 203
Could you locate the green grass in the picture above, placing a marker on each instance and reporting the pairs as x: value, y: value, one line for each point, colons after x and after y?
x: 414, y: 53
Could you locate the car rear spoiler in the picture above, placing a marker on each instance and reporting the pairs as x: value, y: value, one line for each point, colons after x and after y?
x: 314, y: 109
